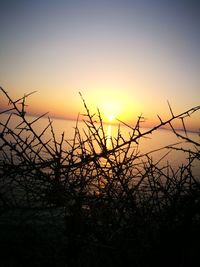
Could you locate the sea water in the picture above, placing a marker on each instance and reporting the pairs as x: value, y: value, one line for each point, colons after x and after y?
x: 153, y: 144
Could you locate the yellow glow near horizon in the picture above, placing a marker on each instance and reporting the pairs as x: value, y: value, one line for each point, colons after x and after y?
x: 113, y: 103
x: 111, y: 117
x: 110, y: 109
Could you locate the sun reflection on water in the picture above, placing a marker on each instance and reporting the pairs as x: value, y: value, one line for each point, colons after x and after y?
x: 109, y: 136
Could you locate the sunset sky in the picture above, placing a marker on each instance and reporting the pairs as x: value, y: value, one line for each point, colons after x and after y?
x: 125, y: 57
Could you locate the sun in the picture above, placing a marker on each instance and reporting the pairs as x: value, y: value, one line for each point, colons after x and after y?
x: 111, y: 117
x: 110, y: 110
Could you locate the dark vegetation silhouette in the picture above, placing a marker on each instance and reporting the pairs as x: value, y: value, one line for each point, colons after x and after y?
x: 81, y: 202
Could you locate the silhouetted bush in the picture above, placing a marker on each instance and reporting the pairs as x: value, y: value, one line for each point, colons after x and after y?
x: 90, y: 204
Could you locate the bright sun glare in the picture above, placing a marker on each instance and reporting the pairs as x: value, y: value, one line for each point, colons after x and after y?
x: 111, y: 110
x: 111, y: 117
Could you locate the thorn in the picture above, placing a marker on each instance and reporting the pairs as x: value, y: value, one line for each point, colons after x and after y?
x: 160, y: 119
x: 170, y: 109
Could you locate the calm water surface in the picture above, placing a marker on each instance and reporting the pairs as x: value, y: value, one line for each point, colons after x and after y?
x: 158, y: 139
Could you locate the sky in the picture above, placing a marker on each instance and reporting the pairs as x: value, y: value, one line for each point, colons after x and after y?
x: 125, y: 57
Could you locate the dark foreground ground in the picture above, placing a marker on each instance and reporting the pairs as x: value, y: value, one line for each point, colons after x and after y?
x: 45, y: 241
